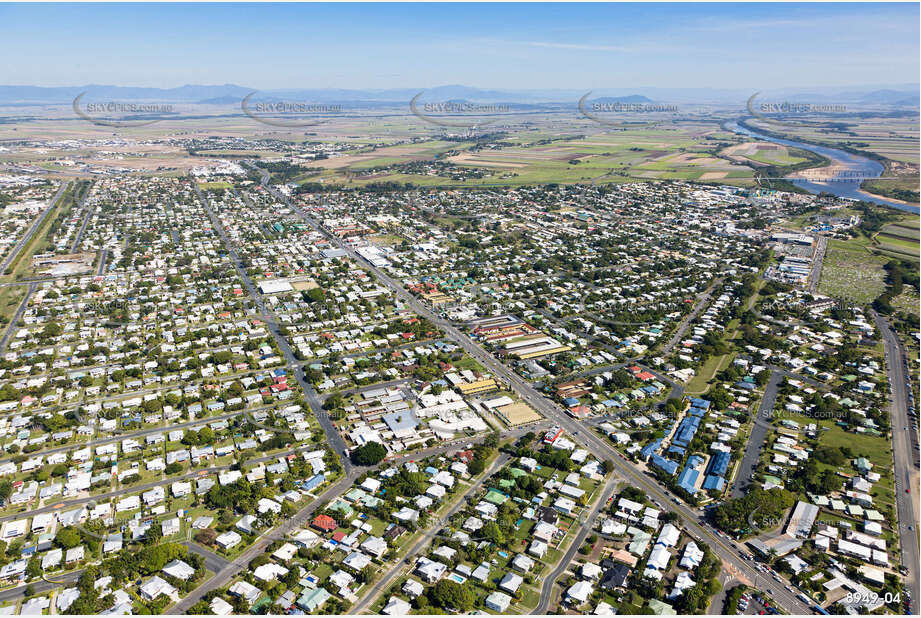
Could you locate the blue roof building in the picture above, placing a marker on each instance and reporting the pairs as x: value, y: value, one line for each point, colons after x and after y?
x: 649, y: 450
x: 313, y: 483
x: 686, y: 430
x: 687, y: 479
x: 666, y: 465
x: 719, y: 463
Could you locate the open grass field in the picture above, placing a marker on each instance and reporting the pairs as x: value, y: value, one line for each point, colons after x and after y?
x: 211, y: 186
x: 532, y: 147
x: 875, y: 448
x: 894, y: 187
x: 850, y: 271
x: 10, y: 298
x: 523, y: 158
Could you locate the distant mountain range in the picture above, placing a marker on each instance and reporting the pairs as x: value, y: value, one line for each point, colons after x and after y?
x: 231, y: 94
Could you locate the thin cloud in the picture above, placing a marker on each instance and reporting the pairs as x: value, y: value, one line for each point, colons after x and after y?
x: 619, y: 49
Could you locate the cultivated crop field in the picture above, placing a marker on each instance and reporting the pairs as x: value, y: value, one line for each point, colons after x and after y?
x: 899, y: 239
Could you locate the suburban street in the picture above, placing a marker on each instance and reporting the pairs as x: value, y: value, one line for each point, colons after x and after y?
x: 86, y: 219
x: 547, y: 592
x: 40, y: 586
x: 100, y: 269
x: 118, y: 437
x: 382, y: 584
x: 11, y: 327
x: 702, y: 301
x: 302, y: 517
x: 310, y: 394
x: 760, y: 427
x: 134, y: 489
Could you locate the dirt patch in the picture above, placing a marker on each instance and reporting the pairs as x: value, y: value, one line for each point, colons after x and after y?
x: 304, y: 284
x: 713, y: 175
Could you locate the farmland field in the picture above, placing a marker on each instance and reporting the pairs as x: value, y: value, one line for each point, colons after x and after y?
x: 899, y: 239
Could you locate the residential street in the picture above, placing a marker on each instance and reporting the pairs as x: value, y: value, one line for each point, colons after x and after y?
x: 368, y: 598
x: 548, y: 592
x: 24, y: 240
x: 760, y: 428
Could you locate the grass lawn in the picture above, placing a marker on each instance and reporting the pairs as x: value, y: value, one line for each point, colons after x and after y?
x: 10, y: 298
x: 530, y: 597
x: 468, y: 362
x: 877, y: 449
x: 216, y: 185
x: 874, y: 448
x: 323, y: 571
x: 377, y: 526
x: 386, y: 239
x: 714, y: 364
x: 851, y: 272
x: 524, y: 530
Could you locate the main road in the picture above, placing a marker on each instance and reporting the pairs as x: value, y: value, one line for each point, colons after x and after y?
x: 728, y: 551
x: 817, y: 260
x: 19, y: 246
x: 86, y: 219
x: 905, y: 457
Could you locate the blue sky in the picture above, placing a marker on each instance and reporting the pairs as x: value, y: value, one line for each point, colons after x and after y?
x: 576, y: 46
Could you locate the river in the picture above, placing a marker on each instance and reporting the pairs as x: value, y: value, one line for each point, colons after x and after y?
x: 845, y: 182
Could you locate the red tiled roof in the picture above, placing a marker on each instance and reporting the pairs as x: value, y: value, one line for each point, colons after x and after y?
x: 324, y: 523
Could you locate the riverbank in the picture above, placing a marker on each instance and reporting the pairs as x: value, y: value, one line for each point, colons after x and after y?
x: 852, y: 169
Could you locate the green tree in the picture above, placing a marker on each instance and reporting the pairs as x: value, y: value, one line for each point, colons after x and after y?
x: 67, y: 538
x: 369, y: 454
x: 448, y: 594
